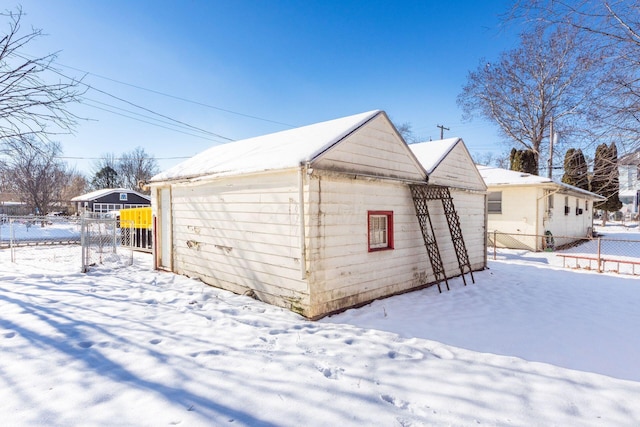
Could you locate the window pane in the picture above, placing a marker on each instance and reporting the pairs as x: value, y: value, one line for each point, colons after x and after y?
x: 378, y: 231
x: 494, y: 202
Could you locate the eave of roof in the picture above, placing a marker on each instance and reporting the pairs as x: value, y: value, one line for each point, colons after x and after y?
x: 518, y: 179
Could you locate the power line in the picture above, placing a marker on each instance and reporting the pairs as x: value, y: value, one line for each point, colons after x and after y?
x: 180, y: 98
x: 55, y: 71
x: 156, y: 113
x: 117, y: 158
x: 153, y: 124
x: 144, y: 116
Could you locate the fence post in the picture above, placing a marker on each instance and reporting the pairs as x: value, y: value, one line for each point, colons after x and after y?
x: 494, y: 245
x: 599, y: 268
x: 12, y: 235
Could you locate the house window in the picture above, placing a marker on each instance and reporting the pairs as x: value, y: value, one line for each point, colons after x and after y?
x: 106, y: 207
x: 123, y: 197
x: 567, y: 209
x: 586, y: 206
x: 380, y: 230
x: 494, y: 202
x: 550, y: 201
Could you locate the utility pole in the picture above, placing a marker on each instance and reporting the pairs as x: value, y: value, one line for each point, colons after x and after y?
x: 550, y: 161
x: 442, y: 129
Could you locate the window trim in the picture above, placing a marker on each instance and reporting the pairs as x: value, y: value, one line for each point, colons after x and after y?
x: 389, y: 231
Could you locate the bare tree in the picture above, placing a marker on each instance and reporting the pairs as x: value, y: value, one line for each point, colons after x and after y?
x: 612, y: 28
x: 549, y: 78
x: 75, y: 184
x: 135, y: 168
x: 35, y: 173
x: 490, y: 158
x: 405, y: 130
x: 32, y: 107
x: 129, y: 170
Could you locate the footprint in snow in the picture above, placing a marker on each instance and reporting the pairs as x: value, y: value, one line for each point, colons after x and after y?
x: 330, y: 373
x: 10, y: 335
x: 155, y: 341
x: 398, y: 403
x: 206, y: 353
x: 442, y: 353
x: 404, y: 353
x: 85, y: 344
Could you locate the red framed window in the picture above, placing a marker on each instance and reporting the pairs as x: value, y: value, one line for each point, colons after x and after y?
x: 380, y: 224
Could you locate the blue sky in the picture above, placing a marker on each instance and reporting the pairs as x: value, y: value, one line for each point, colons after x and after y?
x: 264, y: 66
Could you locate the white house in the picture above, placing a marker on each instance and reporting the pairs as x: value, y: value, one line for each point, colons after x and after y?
x: 536, y: 211
x: 315, y: 219
x: 629, y: 179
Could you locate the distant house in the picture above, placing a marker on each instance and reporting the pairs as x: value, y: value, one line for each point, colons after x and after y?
x: 10, y: 204
x: 315, y: 219
x: 546, y: 211
x: 110, y: 199
x: 629, y: 178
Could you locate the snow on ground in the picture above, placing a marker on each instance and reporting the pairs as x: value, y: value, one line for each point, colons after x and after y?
x: 529, y: 343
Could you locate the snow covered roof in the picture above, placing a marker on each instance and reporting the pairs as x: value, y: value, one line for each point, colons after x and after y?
x: 630, y: 159
x: 101, y: 193
x: 280, y: 150
x: 628, y: 193
x: 504, y: 177
x: 431, y: 153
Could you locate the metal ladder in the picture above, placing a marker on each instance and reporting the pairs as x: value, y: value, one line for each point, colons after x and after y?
x: 421, y: 195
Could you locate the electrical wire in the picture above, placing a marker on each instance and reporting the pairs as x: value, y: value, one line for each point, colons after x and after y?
x: 157, y: 92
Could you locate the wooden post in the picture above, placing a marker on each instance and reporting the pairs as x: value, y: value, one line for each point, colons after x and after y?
x: 494, y: 245
x: 599, y: 269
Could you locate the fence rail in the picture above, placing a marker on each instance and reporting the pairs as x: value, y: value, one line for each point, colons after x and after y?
x: 603, y: 254
x: 38, y: 230
x: 18, y: 233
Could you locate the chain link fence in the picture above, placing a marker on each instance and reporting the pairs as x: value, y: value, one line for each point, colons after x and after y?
x: 613, y: 253
x: 81, y: 243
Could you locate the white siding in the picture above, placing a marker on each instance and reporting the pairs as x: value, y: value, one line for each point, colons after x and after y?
x: 470, y: 207
x: 458, y: 170
x: 572, y: 224
x: 518, y: 217
x: 240, y: 234
x: 375, y: 149
x: 342, y: 272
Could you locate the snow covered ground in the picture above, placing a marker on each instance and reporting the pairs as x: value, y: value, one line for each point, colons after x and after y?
x: 528, y: 344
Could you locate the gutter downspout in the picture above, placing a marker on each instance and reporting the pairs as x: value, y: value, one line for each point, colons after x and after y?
x: 303, y: 248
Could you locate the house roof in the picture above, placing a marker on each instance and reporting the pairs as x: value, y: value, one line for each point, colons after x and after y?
x: 280, y: 150
x: 497, y: 177
x: 632, y: 158
x: 431, y: 153
x: 101, y: 193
